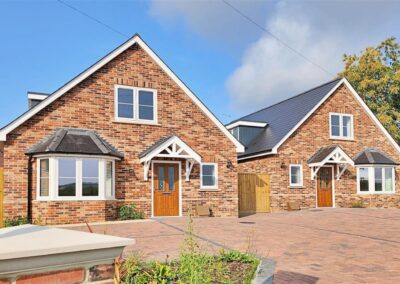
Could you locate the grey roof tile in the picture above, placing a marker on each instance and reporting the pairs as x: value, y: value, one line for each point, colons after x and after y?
x: 283, y: 117
x: 74, y: 141
x: 373, y: 156
x: 321, y: 154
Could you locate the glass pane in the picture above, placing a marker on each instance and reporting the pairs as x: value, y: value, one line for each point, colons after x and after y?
x: 378, y: 179
x: 125, y: 111
x: 66, y: 186
x: 327, y: 178
x: 44, y: 177
x: 160, y: 178
x: 388, y: 180
x: 171, y: 178
x: 346, y: 126
x: 208, y: 170
x: 146, y: 112
x: 208, y: 180
x: 90, y: 168
x: 109, y: 179
x: 146, y: 98
x: 125, y: 96
x: 90, y: 186
x: 90, y: 178
x: 335, y: 120
x: 66, y: 177
x: 335, y: 130
x: 66, y: 168
x: 364, y: 182
x: 295, y: 175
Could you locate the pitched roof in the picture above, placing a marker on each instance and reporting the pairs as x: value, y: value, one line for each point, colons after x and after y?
x: 155, y: 146
x: 282, y: 117
x: 321, y: 154
x: 74, y: 141
x: 373, y: 156
x: 136, y: 39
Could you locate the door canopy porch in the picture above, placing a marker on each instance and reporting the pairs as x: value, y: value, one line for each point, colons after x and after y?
x: 330, y: 155
x: 170, y: 147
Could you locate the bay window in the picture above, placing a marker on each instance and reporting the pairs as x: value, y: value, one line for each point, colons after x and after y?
x: 69, y: 178
x: 375, y: 179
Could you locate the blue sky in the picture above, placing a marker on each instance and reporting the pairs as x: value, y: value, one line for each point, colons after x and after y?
x: 228, y: 62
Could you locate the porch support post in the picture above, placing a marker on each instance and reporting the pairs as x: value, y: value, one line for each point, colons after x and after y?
x: 189, y: 167
x: 340, y: 173
x: 146, y: 167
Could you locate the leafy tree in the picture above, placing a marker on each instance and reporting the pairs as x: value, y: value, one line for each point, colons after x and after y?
x: 375, y: 75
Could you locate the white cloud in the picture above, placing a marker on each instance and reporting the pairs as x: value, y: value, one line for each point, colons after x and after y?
x: 268, y: 72
x: 321, y: 31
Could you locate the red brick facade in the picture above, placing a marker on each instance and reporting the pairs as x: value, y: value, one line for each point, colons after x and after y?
x: 90, y: 105
x: 311, y: 136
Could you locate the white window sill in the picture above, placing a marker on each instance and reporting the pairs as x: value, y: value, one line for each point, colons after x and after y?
x: 341, y: 138
x: 134, y: 121
x: 376, y: 193
x: 71, y: 199
x: 296, y: 186
x: 210, y: 189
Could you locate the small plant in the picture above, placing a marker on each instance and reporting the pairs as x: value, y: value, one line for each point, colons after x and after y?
x: 357, y: 204
x: 129, y: 212
x: 15, y: 221
x: 233, y: 255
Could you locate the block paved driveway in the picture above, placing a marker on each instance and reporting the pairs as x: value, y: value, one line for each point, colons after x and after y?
x: 311, y: 246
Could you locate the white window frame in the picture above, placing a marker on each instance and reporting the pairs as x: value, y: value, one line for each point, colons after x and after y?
x: 209, y: 187
x: 290, y: 175
x: 371, y: 179
x: 135, y: 118
x: 53, y: 179
x: 340, y: 136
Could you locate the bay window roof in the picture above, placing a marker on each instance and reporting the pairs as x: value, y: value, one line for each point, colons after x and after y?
x: 74, y: 141
x: 373, y: 156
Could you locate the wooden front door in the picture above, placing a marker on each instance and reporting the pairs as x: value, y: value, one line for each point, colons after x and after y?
x: 166, y: 189
x: 324, y: 187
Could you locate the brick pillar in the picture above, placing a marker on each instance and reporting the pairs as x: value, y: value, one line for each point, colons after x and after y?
x: 1, y: 182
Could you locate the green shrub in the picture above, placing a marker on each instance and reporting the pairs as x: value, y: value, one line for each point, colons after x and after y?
x: 15, y: 221
x: 233, y: 255
x: 357, y: 204
x: 129, y: 212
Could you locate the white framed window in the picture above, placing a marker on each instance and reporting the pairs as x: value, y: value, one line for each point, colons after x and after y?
x: 296, y: 175
x: 75, y: 178
x: 341, y: 126
x: 375, y: 179
x: 134, y: 104
x: 209, y: 176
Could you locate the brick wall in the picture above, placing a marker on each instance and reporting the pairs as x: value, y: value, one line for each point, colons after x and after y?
x: 90, y: 105
x: 312, y: 135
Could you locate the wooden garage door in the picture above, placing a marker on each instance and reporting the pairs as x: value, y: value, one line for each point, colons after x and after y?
x: 254, y: 193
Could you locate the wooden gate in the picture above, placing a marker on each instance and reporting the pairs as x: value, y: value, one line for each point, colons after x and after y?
x: 254, y: 193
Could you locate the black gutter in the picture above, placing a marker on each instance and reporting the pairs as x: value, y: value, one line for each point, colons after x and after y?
x: 29, y: 207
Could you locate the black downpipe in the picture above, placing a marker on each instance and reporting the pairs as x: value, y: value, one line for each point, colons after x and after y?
x: 29, y: 212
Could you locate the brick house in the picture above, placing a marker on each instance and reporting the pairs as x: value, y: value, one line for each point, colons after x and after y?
x: 321, y: 148
x: 125, y: 131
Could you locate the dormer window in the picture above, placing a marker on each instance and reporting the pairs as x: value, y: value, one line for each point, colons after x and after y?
x: 341, y: 126
x: 136, y: 105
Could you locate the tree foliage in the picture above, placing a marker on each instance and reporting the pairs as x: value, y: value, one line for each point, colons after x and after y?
x: 375, y: 75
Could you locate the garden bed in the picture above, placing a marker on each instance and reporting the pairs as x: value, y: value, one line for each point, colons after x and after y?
x: 226, y: 267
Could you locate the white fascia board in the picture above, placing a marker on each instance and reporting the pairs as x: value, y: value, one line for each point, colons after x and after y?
x: 307, y: 116
x: 256, y: 156
x: 372, y: 115
x: 246, y: 123
x: 35, y: 96
x: 101, y: 63
x: 172, y: 75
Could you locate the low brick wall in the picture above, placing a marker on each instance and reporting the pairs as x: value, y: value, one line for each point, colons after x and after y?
x: 104, y: 273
